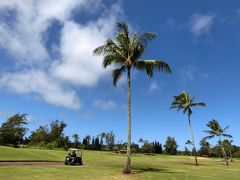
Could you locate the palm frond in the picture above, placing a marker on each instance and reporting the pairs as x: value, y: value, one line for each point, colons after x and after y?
x: 124, y: 37
x: 227, y: 135
x: 209, y: 137
x: 150, y: 65
x: 146, y: 37
x: 108, y: 48
x: 112, y: 58
x: 224, y: 129
x: 99, y: 50
x: 122, y: 27
x: 116, y: 74
x: 211, y: 132
x: 199, y: 104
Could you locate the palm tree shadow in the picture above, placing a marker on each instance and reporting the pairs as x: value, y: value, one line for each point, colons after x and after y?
x: 138, y: 170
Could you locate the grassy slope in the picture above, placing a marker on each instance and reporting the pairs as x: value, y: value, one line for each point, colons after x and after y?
x: 7, y: 153
x: 106, y: 165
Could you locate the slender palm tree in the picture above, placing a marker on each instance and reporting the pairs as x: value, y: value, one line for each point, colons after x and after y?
x: 217, y: 131
x: 76, y: 138
x: 125, y: 53
x: 228, y: 147
x: 88, y: 138
x: 189, y: 143
x: 185, y: 102
x: 102, y: 135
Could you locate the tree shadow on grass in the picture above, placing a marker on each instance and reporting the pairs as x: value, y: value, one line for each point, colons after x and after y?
x: 192, y: 164
x: 138, y: 170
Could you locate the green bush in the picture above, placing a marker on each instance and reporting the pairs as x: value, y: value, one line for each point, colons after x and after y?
x: 236, y: 154
x: 52, y: 145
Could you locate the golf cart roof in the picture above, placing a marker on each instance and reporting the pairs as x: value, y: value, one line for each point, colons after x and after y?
x: 73, y: 149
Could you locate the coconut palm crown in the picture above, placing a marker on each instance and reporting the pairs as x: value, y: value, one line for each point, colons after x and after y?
x: 124, y: 53
x: 217, y: 131
x: 185, y: 102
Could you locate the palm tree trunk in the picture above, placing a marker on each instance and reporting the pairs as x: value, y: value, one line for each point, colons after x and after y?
x: 193, y: 143
x: 127, y: 168
x: 223, y: 151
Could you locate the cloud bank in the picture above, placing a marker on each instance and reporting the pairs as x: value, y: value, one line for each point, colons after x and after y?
x: 24, y: 35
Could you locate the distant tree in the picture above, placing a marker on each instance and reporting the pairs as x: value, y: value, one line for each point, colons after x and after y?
x: 85, y: 143
x: 185, y: 102
x: 160, y: 149
x: 97, y: 145
x: 56, y: 132
x: 40, y: 136
x: 102, y: 136
x: 66, y: 143
x: 157, y: 147
x: 88, y: 139
x: 13, y: 130
x: 217, y: 131
x: 110, y: 140
x: 171, y: 146
x: 186, y: 151
x: 135, y: 148
x: 93, y: 143
x: 205, y: 147
x: 147, y: 147
x: 227, y: 144
x: 188, y: 143
x: 76, y: 138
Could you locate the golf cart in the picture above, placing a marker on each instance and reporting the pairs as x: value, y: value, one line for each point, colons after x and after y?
x: 73, y: 157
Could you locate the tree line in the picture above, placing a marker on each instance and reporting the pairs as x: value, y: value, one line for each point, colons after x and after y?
x: 13, y: 133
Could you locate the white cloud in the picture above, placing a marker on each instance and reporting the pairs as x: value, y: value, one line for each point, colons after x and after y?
x: 191, y: 74
x: 40, y: 84
x: 201, y: 23
x: 78, y: 65
x: 25, y: 39
x: 187, y: 74
x: 154, y: 86
x: 105, y: 105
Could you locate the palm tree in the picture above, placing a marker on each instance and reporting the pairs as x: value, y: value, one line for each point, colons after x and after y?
x: 188, y: 142
x: 205, y: 144
x: 216, y: 130
x: 228, y: 147
x: 102, y: 135
x: 88, y: 138
x: 208, y: 145
x: 185, y: 102
x: 124, y: 53
x: 76, y: 137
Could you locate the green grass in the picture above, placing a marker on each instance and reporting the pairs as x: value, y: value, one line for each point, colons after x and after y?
x: 104, y: 166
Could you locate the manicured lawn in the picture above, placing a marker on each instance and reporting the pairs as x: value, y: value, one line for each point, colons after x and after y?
x: 107, y: 165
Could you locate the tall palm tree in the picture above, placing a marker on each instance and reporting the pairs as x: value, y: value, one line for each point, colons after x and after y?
x: 189, y: 143
x: 88, y: 138
x: 102, y: 135
x: 76, y: 138
x: 216, y: 130
x: 125, y: 53
x: 228, y: 147
x: 185, y: 102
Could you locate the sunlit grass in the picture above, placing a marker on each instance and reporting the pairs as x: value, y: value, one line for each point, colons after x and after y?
x: 109, y: 165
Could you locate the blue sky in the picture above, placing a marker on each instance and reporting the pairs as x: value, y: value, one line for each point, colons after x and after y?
x: 48, y: 71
